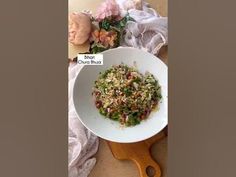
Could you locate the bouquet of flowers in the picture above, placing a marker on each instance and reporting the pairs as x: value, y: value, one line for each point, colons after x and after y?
x: 107, y: 27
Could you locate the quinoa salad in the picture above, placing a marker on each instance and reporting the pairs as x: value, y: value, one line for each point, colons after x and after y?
x: 123, y: 94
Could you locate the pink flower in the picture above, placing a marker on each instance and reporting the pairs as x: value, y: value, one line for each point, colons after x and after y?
x: 79, y: 28
x: 108, y: 9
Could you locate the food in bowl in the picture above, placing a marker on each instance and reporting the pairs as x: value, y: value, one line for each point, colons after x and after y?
x: 123, y: 94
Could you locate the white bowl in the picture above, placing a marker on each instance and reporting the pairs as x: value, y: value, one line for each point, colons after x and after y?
x: 109, y: 129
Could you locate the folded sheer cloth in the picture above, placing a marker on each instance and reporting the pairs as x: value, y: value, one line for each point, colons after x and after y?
x: 82, y: 143
x: 149, y: 32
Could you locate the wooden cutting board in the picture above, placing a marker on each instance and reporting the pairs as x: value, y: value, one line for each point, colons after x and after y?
x: 139, y: 153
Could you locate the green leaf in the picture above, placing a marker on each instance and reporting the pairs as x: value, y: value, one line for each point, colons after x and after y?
x: 115, y: 28
x: 96, y: 48
x: 102, y: 112
x: 115, y: 116
x: 127, y: 91
x: 133, y: 120
x: 122, y: 23
x: 105, y: 24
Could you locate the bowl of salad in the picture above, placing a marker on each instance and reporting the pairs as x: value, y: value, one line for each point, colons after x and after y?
x: 124, y: 100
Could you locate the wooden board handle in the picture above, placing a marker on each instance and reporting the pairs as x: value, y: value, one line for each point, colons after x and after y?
x: 139, y: 153
x: 147, y: 166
